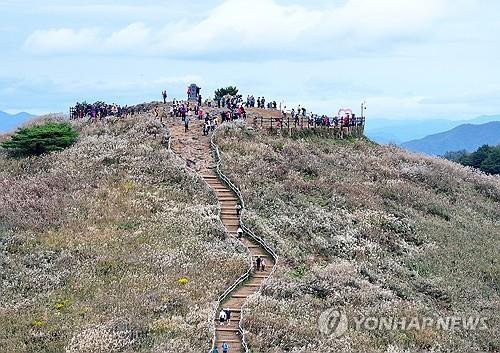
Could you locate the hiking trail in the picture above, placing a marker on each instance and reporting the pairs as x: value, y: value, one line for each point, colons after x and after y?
x: 196, y: 150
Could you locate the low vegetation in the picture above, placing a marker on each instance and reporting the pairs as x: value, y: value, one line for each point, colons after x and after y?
x: 373, y: 230
x: 109, y: 245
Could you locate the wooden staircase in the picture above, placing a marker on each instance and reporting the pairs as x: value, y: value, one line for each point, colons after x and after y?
x: 230, y: 333
x: 194, y: 147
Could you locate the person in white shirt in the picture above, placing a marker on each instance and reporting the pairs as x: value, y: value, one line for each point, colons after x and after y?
x: 222, y: 317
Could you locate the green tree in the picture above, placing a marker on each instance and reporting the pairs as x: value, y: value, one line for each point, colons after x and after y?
x: 40, y: 139
x: 491, y: 164
x: 477, y: 158
x: 221, y: 92
x: 455, y: 155
x: 486, y: 158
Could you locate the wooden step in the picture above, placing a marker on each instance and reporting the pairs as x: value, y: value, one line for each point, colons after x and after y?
x: 228, y: 209
x: 220, y: 188
x: 231, y: 222
x: 215, y: 184
x: 253, y: 284
x: 239, y: 296
x: 260, y: 276
x: 227, y: 198
x: 229, y: 214
x: 219, y: 342
x: 233, y: 348
x: 225, y: 191
x: 234, y: 310
x: 235, y: 317
x: 225, y: 328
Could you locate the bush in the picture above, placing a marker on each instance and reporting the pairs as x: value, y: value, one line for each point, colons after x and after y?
x: 40, y: 139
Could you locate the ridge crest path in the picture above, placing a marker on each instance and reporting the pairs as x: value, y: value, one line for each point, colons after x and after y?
x: 194, y: 148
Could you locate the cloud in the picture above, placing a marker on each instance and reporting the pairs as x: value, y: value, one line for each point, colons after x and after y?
x: 262, y: 28
x: 63, y: 40
x: 134, y: 35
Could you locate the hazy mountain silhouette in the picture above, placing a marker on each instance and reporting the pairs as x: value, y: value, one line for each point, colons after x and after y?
x: 467, y: 137
x: 10, y: 122
x: 399, y: 131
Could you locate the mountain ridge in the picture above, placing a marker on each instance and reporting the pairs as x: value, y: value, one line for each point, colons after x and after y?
x: 401, y: 131
x: 467, y: 137
x: 10, y: 122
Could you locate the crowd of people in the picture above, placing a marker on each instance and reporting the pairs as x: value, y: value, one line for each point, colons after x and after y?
x: 345, y: 122
x: 97, y: 110
x: 189, y: 111
x: 229, y: 108
x: 261, y: 103
x: 228, y: 101
x: 100, y: 110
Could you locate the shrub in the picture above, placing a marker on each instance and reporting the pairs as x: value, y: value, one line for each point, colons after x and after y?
x: 40, y: 139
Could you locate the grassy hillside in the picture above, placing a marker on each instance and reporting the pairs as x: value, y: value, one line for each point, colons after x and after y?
x: 374, y: 230
x: 95, y: 242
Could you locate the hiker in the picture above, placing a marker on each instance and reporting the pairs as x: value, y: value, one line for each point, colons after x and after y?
x: 263, y: 265
x: 206, y: 128
x: 215, y: 350
x: 228, y: 316
x: 222, y: 317
x: 225, y: 347
x: 164, y: 94
x: 238, y: 209
x: 241, y: 112
x: 186, y: 123
x: 258, y: 262
x: 239, y: 232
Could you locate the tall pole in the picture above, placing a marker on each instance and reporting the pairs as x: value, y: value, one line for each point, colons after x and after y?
x: 363, y: 107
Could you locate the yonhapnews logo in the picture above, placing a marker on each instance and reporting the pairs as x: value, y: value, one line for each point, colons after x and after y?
x: 334, y: 322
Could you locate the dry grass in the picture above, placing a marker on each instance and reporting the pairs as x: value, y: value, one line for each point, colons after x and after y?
x: 95, y: 239
x: 372, y: 229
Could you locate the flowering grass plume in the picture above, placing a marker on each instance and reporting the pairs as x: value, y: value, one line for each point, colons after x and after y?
x: 371, y: 229
x: 96, y: 239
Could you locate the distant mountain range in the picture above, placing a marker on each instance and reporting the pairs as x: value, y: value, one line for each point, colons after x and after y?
x: 9, y: 122
x: 467, y: 137
x: 399, y: 131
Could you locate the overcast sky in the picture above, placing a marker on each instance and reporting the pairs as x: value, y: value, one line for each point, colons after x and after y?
x: 406, y: 58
